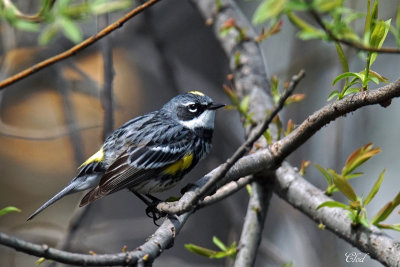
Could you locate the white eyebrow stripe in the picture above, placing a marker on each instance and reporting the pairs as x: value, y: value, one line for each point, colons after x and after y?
x: 188, y: 104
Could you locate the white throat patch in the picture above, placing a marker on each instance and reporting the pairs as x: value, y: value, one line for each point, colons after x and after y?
x: 205, y: 120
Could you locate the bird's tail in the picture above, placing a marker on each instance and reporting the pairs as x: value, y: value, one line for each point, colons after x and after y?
x: 67, y: 190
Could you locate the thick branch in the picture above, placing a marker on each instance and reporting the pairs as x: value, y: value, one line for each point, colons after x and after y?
x: 144, y: 254
x: 253, y: 224
x: 91, y: 40
x: 292, y: 187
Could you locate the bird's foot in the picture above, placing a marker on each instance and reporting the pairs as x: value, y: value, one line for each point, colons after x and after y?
x: 154, y: 213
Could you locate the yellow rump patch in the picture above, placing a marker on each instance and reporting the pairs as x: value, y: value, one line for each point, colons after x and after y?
x: 180, y: 165
x: 196, y: 93
x: 97, y: 157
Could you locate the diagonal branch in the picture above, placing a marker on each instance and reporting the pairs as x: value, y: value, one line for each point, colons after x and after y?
x: 89, y: 41
x: 291, y: 186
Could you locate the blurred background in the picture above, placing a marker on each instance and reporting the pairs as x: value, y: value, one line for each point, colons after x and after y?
x: 53, y: 120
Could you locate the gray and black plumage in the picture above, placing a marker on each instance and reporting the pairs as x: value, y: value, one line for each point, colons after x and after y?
x: 150, y: 153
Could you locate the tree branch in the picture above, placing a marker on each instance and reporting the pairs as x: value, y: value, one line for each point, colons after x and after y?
x: 356, y: 45
x: 145, y: 254
x: 253, y: 224
x: 291, y: 187
x: 89, y: 41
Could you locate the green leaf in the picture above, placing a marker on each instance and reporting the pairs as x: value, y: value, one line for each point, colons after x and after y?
x: 40, y: 260
x: 367, y: 25
x: 9, y: 209
x: 71, y: 30
x: 347, y: 75
x: 297, y: 5
x: 374, y: 15
x: 48, y: 34
x: 325, y: 173
x: 377, y: 39
x: 395, y: 227
x: 219, y: 244
x: 398, y: 17
x: 26, y: 25
x: 374, y: 189
x: 343, y: 185
x: 396, y: 200
x: 383, y: 213
x: 333, y: 204
x: 288, y: 264
x: 363, y: 220
x: 332, y: 95
x: 308, y: 31
x: 244, y: 104
x: 351, y: 91
x: 358, y: 157
x: 353, y: 175
x: 112, y: 6
x: 219, y: 255
x: 378, y: 34
x: 380, y: 78
x: 342, y: 57
x: 327, y: 5
x: 200, y: 250
x: 268, y: 9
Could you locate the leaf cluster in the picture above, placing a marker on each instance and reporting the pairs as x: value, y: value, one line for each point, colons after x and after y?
x: 357, y: 204
x: 337, y: 24
x: 224, y: 252
x: 60, y: 16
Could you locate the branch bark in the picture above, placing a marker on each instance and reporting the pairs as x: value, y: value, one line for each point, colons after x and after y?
x: 291, y: 186
x: 253, y: 224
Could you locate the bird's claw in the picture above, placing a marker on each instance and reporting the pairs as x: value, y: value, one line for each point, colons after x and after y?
x: 154, y: 213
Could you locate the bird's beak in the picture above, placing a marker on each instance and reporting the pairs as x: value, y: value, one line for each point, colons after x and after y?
x: 214, y: 106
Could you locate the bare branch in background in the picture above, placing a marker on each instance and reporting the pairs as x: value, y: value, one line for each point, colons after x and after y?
x: 70, y: 52
x: 253, y: 224
x: 108, y: 71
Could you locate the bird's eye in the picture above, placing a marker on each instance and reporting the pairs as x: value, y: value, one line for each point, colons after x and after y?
x: 192, y: 108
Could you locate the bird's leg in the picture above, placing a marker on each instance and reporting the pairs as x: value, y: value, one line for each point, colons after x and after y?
x: 152, y: 210
x: 151, y: 203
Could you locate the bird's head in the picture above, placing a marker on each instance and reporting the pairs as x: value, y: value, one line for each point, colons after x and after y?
x: 193, y: 110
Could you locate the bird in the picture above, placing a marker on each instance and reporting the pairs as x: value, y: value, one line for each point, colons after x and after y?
x: 148, y: 154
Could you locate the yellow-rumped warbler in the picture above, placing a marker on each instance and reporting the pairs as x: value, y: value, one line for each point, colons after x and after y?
x: 150, y: 153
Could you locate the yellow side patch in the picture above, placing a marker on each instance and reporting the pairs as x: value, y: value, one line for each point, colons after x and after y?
x: 97, y: 157
x: 180, y: 165
x: 196, y: 93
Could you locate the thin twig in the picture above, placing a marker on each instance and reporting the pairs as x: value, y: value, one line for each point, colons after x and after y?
x: 169, y: 207
x: 357, y: 45
x: 89, y: 41
x: 225, y: 191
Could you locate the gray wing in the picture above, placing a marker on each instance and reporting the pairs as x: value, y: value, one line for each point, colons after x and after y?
x: 145, y: 161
